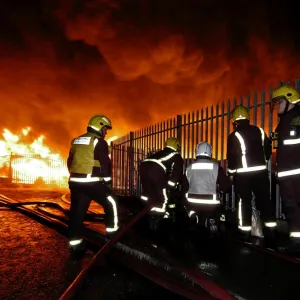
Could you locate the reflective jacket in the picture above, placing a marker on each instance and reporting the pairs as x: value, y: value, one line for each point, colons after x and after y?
x: 204, y: 176
x: 88, y: 159
x: 248, y: 149
x: 288, y: 150
x: 171, y: 162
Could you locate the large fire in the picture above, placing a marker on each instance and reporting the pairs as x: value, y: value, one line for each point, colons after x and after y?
x: 138, y: 61
x: 26, y: 160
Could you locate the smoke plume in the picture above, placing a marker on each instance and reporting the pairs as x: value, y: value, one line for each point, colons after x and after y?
x: 137, y: 61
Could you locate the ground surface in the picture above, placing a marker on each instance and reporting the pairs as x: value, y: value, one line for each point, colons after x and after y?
x: 35, y: 264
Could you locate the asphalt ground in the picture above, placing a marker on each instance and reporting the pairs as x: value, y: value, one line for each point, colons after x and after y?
x: 245, y: 272
x: 35, y: 262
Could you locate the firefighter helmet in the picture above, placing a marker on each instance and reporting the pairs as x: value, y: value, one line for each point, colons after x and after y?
x: 240, y: 112
x: 204, y: 148
x: 173, y: 143
x: 287, y: 92
x: 97, y: 122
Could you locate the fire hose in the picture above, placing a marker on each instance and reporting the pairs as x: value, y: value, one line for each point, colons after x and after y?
x: 79, y: 280
x: 207, y: 285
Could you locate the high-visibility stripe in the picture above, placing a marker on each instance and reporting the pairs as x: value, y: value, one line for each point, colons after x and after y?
x: 295, y: 234
x: 75, y: 242
x: 191, y: 213
x: 288, y: 173
x: 87, y: 179
x: 163, y: 208
x: 251, y: 169
x: 243, y: 148
x: 115, y: 216
x: 160, y: 160
x: 291, y: 142
x: 245, y: 228
x: 270, y: 224
x: 245, y: 167
x: 171, y: 183
x: 202, y: 166
x: 212, y: 201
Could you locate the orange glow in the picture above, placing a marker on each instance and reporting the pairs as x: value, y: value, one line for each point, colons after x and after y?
x: 25, y: 159
x: 138, y: 62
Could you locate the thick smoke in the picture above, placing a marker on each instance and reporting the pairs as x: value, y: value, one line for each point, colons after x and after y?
x: 138, y: 61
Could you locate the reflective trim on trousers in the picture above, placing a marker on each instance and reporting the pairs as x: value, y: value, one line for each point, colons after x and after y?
x: 115, y: 211
x: 288, y: 173
x: 163, y: 208
x: 295, y: 234
x: 191, y: 213
x: 76, y: 242
x: 270, y: 224
x: 291, y: 142
x: 144, y: 198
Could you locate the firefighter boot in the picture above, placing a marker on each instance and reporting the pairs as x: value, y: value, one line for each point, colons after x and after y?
x: 269, y: 234
x: 77, y: 251
x: 245, y: 235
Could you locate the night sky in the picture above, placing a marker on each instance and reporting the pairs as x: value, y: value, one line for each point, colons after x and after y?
x: 137, y: 61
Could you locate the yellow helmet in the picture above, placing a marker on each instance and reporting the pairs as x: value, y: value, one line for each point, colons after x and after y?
x: 287, y: 92
x: 97, y: 122
x: 173, y: 143
x: 240, y: 112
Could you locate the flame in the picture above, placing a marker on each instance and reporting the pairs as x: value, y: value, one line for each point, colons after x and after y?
x: 26, y: 160
x: 111, y: 139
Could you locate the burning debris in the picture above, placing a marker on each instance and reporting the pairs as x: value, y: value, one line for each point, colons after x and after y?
x: 25, y: 159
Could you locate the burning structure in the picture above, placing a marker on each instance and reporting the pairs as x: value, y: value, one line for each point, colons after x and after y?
x: 25, y: 159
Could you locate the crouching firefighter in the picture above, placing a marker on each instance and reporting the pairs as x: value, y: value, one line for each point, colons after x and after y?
x: 206, y: 179
x: 90, y: 177
x: 160, y: 175
x: 248, y: 150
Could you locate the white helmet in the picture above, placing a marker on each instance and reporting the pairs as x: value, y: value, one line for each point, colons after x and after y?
x: 204, y: 149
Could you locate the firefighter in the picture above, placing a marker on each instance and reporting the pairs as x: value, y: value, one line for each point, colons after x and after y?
x: 287, y: 138
x: 90, y: 176
x: 160, y: 175
x: 248, y: 150
x: 206, y: 179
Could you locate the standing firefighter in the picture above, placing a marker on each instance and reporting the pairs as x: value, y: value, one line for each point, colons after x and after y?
x: 287, y: 137
x: 160, y: 174
x: 248, y: 150
x: 206, y: 179
x: 90, y: 176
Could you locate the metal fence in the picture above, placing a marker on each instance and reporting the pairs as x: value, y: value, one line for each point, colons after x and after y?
x: 211, y: 124
x: 33, y: 170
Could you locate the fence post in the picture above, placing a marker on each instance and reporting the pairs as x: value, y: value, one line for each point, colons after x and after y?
x: 179, y: 128
x: 131, y: 163
x: 112, y: 164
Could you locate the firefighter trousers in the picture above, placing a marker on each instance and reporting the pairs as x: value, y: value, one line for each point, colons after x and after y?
x: 81, y: 196
x: 290, y: 198
x: 154, y: 184
x: 258, y: 183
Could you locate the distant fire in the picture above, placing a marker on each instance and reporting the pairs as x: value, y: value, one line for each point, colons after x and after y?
x: 113, y: 138
x: 26, y: 160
